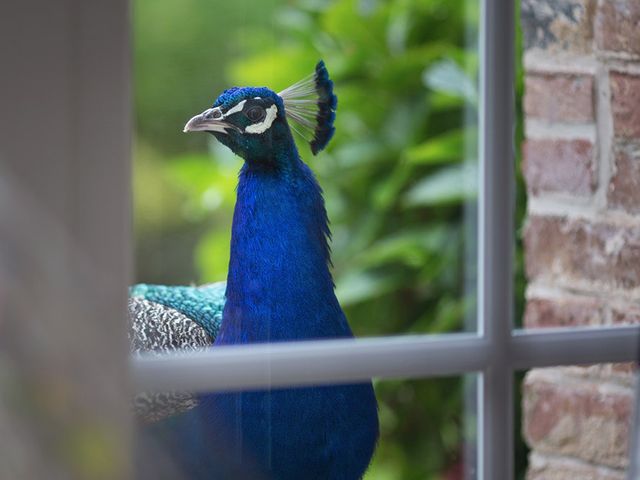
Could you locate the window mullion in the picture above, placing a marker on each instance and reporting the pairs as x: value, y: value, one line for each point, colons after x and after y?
x: 306, y: 363
x: 422, y: 356
x: 496, y: 201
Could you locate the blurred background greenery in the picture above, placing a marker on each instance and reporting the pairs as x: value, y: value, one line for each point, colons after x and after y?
x: 399, y: 177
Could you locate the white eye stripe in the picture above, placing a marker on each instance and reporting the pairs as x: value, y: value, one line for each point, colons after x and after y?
x: 272, y: 113
x: 237, y: 108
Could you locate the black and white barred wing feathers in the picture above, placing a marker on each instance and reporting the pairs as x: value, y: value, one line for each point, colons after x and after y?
x: 169, y: 319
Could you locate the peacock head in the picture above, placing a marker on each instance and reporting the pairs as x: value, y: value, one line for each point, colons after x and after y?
x: 253, y: 122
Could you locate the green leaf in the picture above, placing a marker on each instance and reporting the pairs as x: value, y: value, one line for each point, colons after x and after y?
x: 447, y: 147
x: 356, y: 287
x: 206, y: 184
x: 357, y: 154
x: 448, y: 185
x: 409, y: 248
x: 447, y: 76
x: 277, y: 68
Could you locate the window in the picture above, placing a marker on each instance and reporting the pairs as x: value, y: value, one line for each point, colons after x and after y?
x: 496, y: 351
x: 88, y: 253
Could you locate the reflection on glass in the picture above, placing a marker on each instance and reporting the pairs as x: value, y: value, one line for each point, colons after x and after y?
x: 418, y: 440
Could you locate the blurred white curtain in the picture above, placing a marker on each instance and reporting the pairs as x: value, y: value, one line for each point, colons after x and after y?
x: 64, y: 239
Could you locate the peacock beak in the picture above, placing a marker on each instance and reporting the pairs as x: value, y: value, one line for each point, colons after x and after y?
x: 211, y: 120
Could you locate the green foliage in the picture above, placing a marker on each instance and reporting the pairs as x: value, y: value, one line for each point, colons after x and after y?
x: 400, y: 176
x: 181, y: 50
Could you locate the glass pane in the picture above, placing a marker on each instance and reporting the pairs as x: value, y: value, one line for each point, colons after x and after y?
x: 577, y: 251
x: 424, y: 434
x: 399, y: 176
x: 576, y: 258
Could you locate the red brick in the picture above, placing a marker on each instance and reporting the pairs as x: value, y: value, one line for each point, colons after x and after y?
x: 558, y: 26
x: 581, y: 419
x: 559, y: 98
x: 556, y: 165
x: 584, y: 372
x: 622, y: 373
x: 615, y: 373
x: 578, y: 254
x: 625, y: 104
x: 617, y: 26
x: 543, y: 467
x: 562, y: 312
x: 625, y: 315
x: 624, y: 187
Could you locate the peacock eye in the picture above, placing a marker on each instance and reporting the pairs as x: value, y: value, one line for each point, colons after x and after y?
x: 255, y: 114
x: 212, y: 113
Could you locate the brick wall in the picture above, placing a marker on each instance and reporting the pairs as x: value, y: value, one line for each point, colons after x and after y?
x: 582, y: 234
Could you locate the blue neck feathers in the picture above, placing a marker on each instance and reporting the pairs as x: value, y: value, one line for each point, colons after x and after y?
x: 279, y: 286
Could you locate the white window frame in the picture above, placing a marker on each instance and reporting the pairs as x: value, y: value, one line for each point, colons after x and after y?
x: 494, y: 352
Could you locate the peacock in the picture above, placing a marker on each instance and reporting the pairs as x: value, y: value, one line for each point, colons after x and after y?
x: 279, y: 288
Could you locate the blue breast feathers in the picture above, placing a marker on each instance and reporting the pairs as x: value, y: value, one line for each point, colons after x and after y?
x: 279, y: 288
